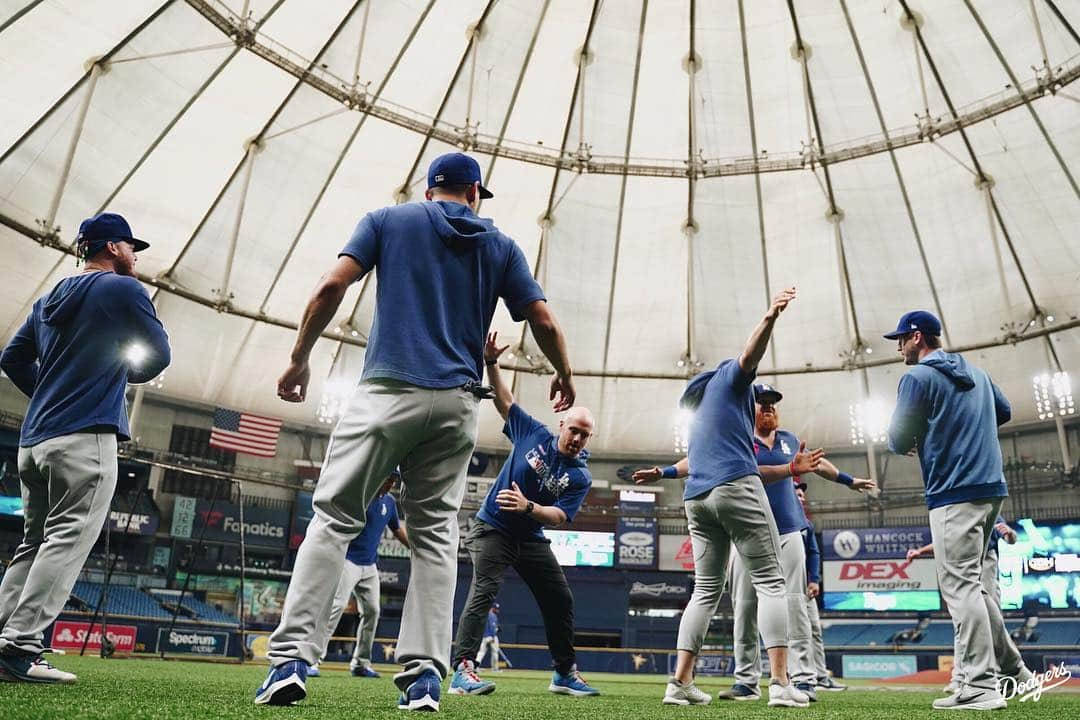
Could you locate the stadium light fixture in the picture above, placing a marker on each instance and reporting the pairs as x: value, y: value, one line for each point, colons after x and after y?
x: 135, y: 354
x: 1053, y: 395
x: 869, y: 421
x: 682, y: 431
x: 334, y: 400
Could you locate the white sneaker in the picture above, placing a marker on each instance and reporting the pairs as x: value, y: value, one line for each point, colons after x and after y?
x: 41, y: 671
x: 684, y: 694
x: 787, y: 696
x: 971, y: 699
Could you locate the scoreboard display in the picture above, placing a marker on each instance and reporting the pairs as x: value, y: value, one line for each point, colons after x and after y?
x: 1042, y: 570
x: 582, y: 549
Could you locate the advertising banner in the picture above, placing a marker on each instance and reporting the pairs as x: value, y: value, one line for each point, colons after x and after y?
x: 192, y: 642
x: 713, y: 665
x: 676, y: 553
x: 649, y: 588
x: 878, y: 666
x: 582, y: 548
x: 68, y: 635
x: 872, y: 543
x: 879, y: 575
x: 262, y: 526
x: 636, y: 539
x: 134, y: 523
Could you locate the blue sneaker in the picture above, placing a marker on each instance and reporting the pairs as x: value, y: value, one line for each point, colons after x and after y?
x: 313, y: 670
x: 467, y: 682
x: 739, y: 691
x: 364, y: 671
x: 571, y: 684
x: 284, y: 685
x: 422, y: 694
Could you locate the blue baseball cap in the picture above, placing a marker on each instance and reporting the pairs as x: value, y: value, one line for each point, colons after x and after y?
x: 920, y: 320
x: 96, y: 232
x: 456, y: 169
x: 765, y: 393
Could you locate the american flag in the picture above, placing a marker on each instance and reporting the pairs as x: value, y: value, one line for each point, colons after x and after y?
x: 244, y: 432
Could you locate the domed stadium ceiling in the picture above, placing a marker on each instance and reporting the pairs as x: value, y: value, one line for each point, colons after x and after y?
x: 666, y: 165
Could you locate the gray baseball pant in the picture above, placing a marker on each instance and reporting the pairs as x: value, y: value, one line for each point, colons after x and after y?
x: 67, y: 487
x: 960, y: 533
x: 747, y: 614
x: 430, y: 434
x: 362, y: 581
x: 1009, y: 660
x: 735, y: 513
x: 817, y: 642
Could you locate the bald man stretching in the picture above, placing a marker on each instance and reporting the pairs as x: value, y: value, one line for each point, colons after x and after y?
x: 542, y: 484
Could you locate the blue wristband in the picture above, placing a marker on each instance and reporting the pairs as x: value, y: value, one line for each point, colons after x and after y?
x: 669, y: 472
x: 844, y: 479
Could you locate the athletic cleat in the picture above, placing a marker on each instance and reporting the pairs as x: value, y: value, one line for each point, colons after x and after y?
x: 467, y: 682
x: 423, y: 694
x: 808, y: 690
x: 313, y: 670
x: 284, y: 685
x: 32, y: 668
x: 971, y: 699
x: 829, y: 684
x: 787, y: 696
x: 739, y: 691
x: 364, y: 671
x: 571, y: 684
x: 684, y: 694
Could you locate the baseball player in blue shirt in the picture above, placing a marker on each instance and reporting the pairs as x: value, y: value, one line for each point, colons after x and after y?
x: 490, y: 643
x: 726, y: 505
x: 948, y: 411
x: 824, y: 680
x: 542, y: 484
x: 361, y: 578
x: 441, y: 272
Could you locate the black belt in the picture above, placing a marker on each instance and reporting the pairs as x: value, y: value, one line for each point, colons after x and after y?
x: 484, y: 392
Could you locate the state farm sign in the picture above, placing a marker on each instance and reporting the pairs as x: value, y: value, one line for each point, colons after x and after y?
x: 67, y: 635
x: 879, y: 575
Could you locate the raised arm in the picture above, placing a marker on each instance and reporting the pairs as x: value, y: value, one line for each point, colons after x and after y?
x: 151, y: 334
x: 551, y: 341
x: 804, y: 463
x: 1002, y: 408
x: 759, y: 339
x: 324, y: 303
x: 503, y: 397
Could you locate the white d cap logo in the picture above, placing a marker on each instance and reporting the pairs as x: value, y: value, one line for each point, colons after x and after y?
x: 847, y: 544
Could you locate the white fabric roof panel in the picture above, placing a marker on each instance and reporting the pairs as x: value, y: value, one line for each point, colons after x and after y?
x: 198, y: 138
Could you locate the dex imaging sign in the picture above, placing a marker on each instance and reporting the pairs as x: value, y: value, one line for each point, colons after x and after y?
x: 879, y: 575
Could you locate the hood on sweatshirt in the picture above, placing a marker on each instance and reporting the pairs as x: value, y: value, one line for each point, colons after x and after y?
x: 457, y: 225
x: 952, y: 366
x: 67, y: 297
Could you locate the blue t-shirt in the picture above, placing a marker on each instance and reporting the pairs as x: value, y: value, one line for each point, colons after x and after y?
x: 364, y: 549
x: 441, y: 270
x: 491, y: 629
x: 544, y: 475
x: 722, y: 431
x: 786, y: 508
x: 72, y: 355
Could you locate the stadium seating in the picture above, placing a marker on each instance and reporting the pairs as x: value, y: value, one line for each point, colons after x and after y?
x: 197, y: 609
x: 939, y: 633
x: 122, y: 600
x: 153, y: 604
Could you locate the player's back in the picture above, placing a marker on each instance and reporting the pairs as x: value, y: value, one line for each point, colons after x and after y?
x: 440, y: 271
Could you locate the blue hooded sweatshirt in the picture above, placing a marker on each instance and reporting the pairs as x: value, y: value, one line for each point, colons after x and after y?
x: 441, y: 271
x: 73, y: 355
x: 950, y: 411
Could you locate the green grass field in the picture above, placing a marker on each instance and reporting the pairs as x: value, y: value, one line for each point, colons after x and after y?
x: 164, y: 690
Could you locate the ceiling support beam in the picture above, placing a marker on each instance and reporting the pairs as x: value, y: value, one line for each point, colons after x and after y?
x: 917, y: 236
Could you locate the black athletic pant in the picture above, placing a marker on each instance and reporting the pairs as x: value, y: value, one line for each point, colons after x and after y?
x: 492, y: 553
